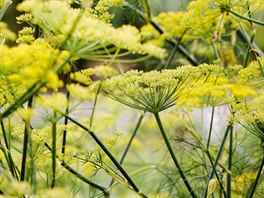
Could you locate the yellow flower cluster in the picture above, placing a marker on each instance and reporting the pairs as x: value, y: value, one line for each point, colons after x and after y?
x: 202, y: 19
x: 88, y: 35
x: 86, y: 89
x: 151, y: 91
x: 252, y: 74
x: 56, y: 101
x: 171, y: 22
x: 26, y: 35
x: 24, y: 65
x: 155, y: 91
x: 100, y: 11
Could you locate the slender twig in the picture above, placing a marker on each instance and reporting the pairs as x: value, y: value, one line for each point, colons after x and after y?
x: 94, y: 105
x: 86, y: 180
x: 53, y: 151
x: 210, y: 129
x: 253, y: 188
x: 80, y: 176
x: 64, y: 136
x: 4, y: 134
x: 25, y: 145
x: 216, y: 174
x: 218, y: 157
x: 244, y: 37
x: 173, y: 156
x: 4, y: 7
x: 247, y: 18
x: 229, y: 175
x: 254, y: 52
x: 170, y: 40
x: 108, y: 153
x: 174, y: 50
x: 129, y: 142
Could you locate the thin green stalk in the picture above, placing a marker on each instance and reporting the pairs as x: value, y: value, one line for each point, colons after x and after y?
x: 33, y: 178
x: 229, y: 175
x: 9, y: 160
x: 86, y: 180
x: 3, y: 10
x: 173, y: 156
x: 4, y: 134
x: 64, y: 136
x: 247, y: 18
x: 218, y: 157
x: 216, y: 174
x: 146, y: 9
x: 94, y: 105
x: 174, y: 50
x: 53, y: 152
x: 129, y: 143
x: 78, y: 175
x: 251, y: 38
x: 25, y: 146
x: 170, y: 40
x: 253, y: 188
x: 108, y: 153
x: 211, y: 127
x: 244, y: 36
x: 217, y: 54
x: 248, y: 50
x: 254, y: 52
x: 7, y: 152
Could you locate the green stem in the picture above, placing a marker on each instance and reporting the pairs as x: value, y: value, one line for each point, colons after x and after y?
x: 254, y: 52
x: 173, y: 156
x: 4, y: 134
x: 170, y: 40
x: 247, y: 18
x: 257, y: 179
x: 174, y: 50
x: 53, y: 151
x: 4, y: 8
x: 9, y: 160
x: 248, y: 50
x: 25, y: 145
x: 216, y: 51
x: 108, y: 153
x: 229, y: 175
x: 251, y: 38
x: 64, y: 136
x: 146, y: 9
x: 86, y: 180
x: 244, y: 37
x: 217, y: 157
x: 210, y: 129
x: 216, y: 174
x: 78, y: 175
x: 129, y: 143
x: 94, y: 105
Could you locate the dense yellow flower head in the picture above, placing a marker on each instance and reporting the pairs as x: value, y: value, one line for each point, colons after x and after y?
x: 214, y: 88
x: 155, y: 91
x: 252, y: 74
x: 24, y: 65
x: 86, y: 35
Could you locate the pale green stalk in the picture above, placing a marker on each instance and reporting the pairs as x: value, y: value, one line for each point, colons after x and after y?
x: 129, y: 142
x: 173, y: 156
x: 53, y: 149
x: 108, y: 153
